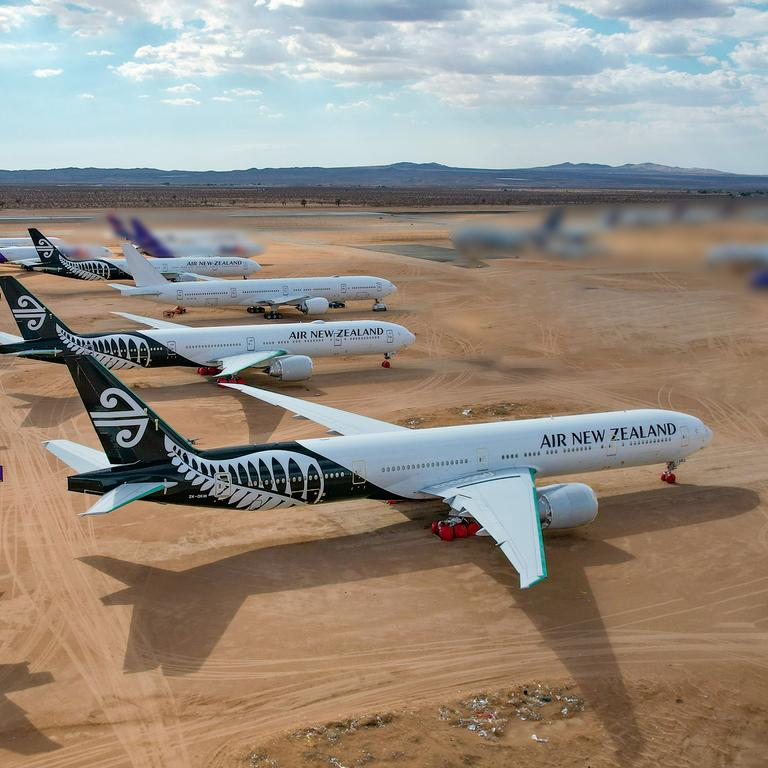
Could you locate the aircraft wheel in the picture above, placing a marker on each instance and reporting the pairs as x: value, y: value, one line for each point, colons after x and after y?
x: 671, y: 478
x: 386, y: 364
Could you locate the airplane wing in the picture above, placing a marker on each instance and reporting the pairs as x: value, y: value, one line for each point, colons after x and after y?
x: 236, y: 363
x: 151, y: 322
x: 336, y: 420
x: 504, y: 503
x: 125, y: 494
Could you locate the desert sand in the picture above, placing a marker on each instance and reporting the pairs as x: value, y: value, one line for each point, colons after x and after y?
x: 163, y: 636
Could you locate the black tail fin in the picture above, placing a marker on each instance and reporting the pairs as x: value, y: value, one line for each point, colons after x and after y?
x: 129, y: 430
x: 48, y: 253
x: 34, y: 319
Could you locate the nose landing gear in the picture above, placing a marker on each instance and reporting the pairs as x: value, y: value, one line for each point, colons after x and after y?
x: 668, y: 475
x: 385, y: 363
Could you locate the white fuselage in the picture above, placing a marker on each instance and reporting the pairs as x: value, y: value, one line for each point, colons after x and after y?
x: 407, y: 462
x: 314, y: 339
x: 266, y: 291
x: 210, y: 266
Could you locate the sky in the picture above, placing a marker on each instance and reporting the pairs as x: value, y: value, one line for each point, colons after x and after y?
x: 222, y: 84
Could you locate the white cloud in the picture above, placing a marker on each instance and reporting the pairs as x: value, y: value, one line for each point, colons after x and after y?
x: 331, y: 107
x: 186, y: 88
x: 47, y: 72
x: 751, y: 55
x: 101, y: 52
x: 243, y: 92
x: 14, y: 16
x: 86, y: 96
x: 182, y: 102
x: 223, y: 98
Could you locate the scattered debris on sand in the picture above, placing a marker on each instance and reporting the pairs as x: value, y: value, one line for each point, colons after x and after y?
x: 413, y: 737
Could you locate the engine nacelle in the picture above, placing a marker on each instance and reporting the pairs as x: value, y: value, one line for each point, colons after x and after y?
x: 566, y: 505
x: 293, y: 368
x: 316, y: 306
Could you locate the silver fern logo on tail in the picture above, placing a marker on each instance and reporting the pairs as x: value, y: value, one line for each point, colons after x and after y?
x: 114, y: 350
x: 30, y: 311
x: 133, y: 422
x: 45, y: 248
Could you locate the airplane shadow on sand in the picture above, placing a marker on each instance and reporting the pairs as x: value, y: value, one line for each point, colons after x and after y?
x: 180, y: 616
x: 17, y: 734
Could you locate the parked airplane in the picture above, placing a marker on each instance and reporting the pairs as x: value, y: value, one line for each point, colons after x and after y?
x: 482, y: 471
x: 284, y: 352
x: 310, y: 295
x: 177, y: 269
x: 739, y: 255
x: 26, y: 255
x: 475, y: 242
x: 192, y: 242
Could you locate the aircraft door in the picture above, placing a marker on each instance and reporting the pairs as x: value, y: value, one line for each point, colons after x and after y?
x: 378, y: 287
x: 482, y: 458
x: 390, y: 337
x: 358, y: 472
x: 683, y: 437
x: 179, y: 294
x: 251, y: 344
x: 343, y: 287
x: 171, y: 349
x: 233, y: 292
x: 285, y: 290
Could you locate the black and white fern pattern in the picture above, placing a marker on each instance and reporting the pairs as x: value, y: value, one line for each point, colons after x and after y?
x: 115, y: 351
x: 261, y: 480
x: 87, y: 270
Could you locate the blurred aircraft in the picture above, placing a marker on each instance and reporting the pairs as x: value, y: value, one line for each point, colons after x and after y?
x: 166, y: 244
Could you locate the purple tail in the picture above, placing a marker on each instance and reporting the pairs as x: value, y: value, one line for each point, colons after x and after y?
x: 118, y: 227
x: 148, y: 242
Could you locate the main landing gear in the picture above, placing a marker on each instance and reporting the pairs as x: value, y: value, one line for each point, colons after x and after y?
x: 455, y: 528
x: 233, y: 379
x: 207, y: 370
x: 668, y: 475
x: 379, y: 306
x: 268, y: 315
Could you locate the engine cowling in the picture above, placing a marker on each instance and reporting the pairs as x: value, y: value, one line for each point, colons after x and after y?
x: 316, y: 306
x: 293, y: 368
x: 566, y: 505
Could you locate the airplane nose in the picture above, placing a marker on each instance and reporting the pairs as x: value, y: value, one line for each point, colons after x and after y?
x: 392, y: 287
x: 409, y: 338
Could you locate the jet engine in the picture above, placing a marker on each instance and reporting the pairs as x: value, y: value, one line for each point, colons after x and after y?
x: 566, y: 505
x: 316, y: 306
x: 293, y: 368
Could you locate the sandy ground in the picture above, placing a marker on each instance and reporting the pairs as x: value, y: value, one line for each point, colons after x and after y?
x: 167, y: 636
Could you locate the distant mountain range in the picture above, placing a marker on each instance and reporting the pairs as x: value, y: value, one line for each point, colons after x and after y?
x: 564, y: 175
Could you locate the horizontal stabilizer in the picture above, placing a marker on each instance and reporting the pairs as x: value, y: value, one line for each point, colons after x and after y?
x: 9, y: 338
x: 236, y: 363
x: 150, y: 321
x: 343, y: 422
x: 80, y: 457
x: 124, y: 494
x: 131, y: 290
